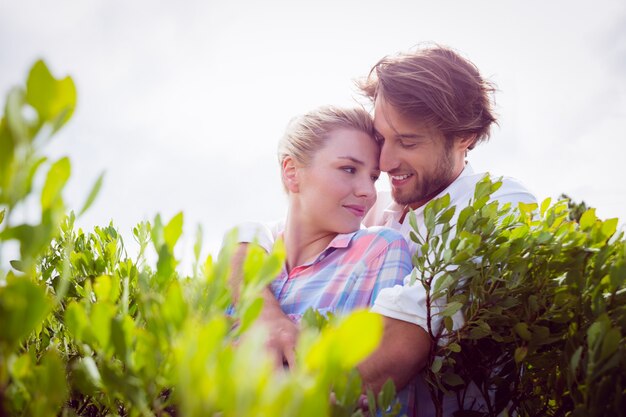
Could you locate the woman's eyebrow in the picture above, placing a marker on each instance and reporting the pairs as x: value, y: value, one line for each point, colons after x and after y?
x: 358, y: 161
x: 353, y: 159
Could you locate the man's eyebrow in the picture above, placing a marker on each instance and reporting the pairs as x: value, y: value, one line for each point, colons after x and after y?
x: 403, y: 135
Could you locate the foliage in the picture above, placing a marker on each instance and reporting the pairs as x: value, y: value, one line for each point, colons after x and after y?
x: 527, y: 308
x: 88, y: 331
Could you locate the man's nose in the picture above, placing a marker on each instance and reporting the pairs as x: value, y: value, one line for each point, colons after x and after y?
x: 388, y: 159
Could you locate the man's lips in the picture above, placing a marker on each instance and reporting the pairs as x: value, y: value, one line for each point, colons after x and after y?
x: 400, y: 180
x: 357, y: 210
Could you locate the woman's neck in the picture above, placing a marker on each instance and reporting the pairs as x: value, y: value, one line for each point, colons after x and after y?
x: 303, y: 241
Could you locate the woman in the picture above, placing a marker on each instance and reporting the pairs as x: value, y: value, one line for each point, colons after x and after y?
x: 329, y: 164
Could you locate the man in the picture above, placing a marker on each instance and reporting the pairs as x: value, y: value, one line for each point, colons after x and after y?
x: 430, y: 108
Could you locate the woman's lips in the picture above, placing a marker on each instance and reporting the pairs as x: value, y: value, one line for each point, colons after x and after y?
x: 358, y: 211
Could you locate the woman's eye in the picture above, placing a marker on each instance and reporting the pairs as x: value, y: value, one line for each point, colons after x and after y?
x: 349, y: 170
x: 374, y: 178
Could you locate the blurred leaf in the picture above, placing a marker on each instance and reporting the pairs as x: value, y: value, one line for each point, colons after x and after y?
x: 23, y: 305
x: 520, y: 354
x: 522, y: 331
x: 18, y: 265
x: 101, y: 315
x: 51, y: 386
x: 102, y: 288
x: 76, y: 319
x: 92, y: 194
x: 173, y: 230
x: 435, y: 367
x: 387, y: 395
x: 54, y: 99
x: 57, y: 177
x: 250, y: 314
x: 85, y: 376
x: 453, y: 380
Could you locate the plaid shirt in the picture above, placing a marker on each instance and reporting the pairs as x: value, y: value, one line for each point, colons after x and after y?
x: 347, y: 275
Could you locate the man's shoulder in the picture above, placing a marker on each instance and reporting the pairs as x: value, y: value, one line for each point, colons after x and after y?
x: 511, y: 189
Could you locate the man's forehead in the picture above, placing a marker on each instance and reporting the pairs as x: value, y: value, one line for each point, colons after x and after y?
x: 390, y: 120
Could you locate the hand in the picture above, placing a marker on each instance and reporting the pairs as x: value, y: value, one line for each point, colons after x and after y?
x: 283, y: 333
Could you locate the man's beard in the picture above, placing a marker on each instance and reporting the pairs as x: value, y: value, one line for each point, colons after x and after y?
x: 430, y: 184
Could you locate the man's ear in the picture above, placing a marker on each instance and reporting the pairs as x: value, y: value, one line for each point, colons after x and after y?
x: 290, y: 175
x: 466, y: 142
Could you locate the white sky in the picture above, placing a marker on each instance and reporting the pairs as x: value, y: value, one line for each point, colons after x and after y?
x: 182, y: 103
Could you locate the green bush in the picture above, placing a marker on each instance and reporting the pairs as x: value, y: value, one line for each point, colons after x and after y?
x: 543, y: 301
x: 86, y: 330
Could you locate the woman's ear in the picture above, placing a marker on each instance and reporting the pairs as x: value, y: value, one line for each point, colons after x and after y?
x: 290, y: 175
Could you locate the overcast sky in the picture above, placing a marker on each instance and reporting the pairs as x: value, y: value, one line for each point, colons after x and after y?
x: 182, y: 102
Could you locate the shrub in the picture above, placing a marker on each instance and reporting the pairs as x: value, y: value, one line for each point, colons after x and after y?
x: 526, y: 305
x: 86, y: 330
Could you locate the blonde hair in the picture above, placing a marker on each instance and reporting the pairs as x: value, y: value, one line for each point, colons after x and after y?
x: 306, y: 134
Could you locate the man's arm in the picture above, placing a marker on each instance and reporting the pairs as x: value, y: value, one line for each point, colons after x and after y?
x: 402, y: 353
x: 283, y: 333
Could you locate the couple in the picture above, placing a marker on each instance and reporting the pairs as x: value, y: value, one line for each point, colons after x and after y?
x: 431, y: 107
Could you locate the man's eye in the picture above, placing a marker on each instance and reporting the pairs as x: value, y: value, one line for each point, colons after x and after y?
x: 379, y: 138
x: 407, y: 145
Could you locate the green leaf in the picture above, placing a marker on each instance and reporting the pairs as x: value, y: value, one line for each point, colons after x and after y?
x: 435, y: 367
x: 2, y: 215
x: 173, y: 230
x: 386, y: 395
x: 121, y: 336
x: 453, y: 380
x: 54, y: 99
x: 18, y: 265
x: 520, y: 354
x: 588, y: 219
x: 76, y: 319
x: 454, y: 347
x: 362, y: 325
x: 57, y: 177
x: 92, y: 194
x: 609, y: 227
x: 23, y: 306
x: 101, y: 315
x: 574, y: 361
x: 522, y: 331
x: 610, y: 343
x: 544, y: 205
x: 50, y: 388
x: 85, y: 376
x: 102, y: 288
x: 451, y: 309
x: 251, y: 314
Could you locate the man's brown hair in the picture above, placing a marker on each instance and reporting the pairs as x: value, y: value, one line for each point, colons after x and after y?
x: 437, y: 86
